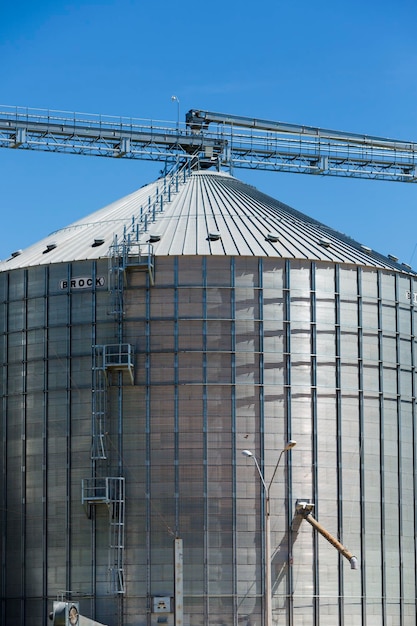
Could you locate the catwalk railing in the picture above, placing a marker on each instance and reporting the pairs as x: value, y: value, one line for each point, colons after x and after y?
x: 212, y: 139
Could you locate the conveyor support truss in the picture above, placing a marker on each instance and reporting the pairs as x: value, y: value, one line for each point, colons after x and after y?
x: 217, y: 139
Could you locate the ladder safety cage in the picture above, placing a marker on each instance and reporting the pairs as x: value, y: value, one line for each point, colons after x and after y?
x: 108, y: 490
x: 117, y: 534
x: 119, y: 357
x: 98, y: 405
x: 111, y: 492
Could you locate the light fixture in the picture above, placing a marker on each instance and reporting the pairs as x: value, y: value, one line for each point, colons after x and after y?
x: 177, y: 100
x: 290, y: 445
x: 267, y: 528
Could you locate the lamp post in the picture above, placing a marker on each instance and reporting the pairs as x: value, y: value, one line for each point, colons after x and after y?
x: 177, y: 100
x: 268, y: 557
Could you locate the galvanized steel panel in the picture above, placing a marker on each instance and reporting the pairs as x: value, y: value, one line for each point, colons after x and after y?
x: 239, y: 217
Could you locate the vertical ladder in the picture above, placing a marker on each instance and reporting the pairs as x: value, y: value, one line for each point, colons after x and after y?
x: 117, y: 534
x: 106, y: 358
x: 99, y: 405
x: 126, y: 252
x: 111, y: 492
x: 108, y: 490
x: 117, y: 276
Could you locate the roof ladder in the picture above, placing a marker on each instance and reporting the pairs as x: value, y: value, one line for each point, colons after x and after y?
x: 129, y: 252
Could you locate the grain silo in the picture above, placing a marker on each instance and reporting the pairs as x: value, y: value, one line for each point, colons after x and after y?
x: 143, y: 349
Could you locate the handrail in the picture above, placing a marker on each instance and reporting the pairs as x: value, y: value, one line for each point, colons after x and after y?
x: 212, y: 139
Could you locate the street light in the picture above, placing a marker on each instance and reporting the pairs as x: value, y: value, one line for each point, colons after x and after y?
x: 177, y: 100
x: 267, y: 488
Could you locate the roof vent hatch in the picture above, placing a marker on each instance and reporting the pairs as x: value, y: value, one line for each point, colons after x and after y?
x: 49, y: 247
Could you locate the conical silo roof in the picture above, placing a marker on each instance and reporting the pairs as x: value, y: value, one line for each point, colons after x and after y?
x: 204, y: 213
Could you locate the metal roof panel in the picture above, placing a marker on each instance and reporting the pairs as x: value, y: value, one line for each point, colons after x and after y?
x: 187, y: 219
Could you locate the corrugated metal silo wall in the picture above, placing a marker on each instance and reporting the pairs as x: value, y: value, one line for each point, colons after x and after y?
x: 230, y: 354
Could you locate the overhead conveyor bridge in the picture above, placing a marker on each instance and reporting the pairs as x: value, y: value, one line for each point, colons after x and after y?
x: 98, y: 135
x: 213, y: 139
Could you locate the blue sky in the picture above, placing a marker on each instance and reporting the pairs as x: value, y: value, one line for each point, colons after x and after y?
x: 347, y: 66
